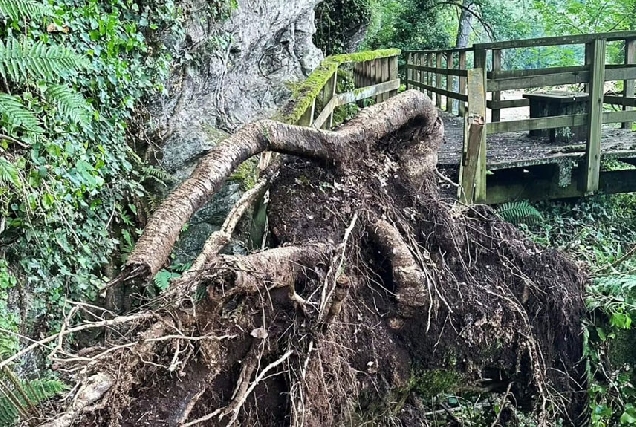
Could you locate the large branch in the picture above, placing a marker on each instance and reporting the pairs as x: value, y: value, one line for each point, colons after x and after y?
x: 162, y: 231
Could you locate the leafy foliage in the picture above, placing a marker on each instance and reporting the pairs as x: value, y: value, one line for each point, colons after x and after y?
x: 15, y: 115
x: 600, y: 231
x: 340, y: 21
x: 71, y: 185
x: 521, y: 212
x: 23, y: 60
x: 14, y: 10
x: 20, y: 399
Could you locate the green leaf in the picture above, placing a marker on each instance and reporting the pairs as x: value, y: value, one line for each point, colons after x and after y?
x: 70, y: 104
x: 621, y: 320
x: 163, y: 278
x: 18, y: 9
x: 629, y: 415
x: 23, y: 59
x: 14, y: 115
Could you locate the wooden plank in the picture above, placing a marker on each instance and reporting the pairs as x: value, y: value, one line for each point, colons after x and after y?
x: 538, y: 123
x: 446, y: 72
x: 443, y: 92
x: 365, y: 92
x: 329, y: 92
x: 557, y: 41
x: 438, y: 79
x: 472, y: 171
x: 393, y: 73
x: 620, y: 100
x: 479, y: 61
x: 595, y: 110
x: 619, y: 72
x: 619, y: 117
x: 348, y: 97
x: 417, y: 75
x: 556, y: 79
x: 307, y: 119
x: 462, y: 82
x: 620, y: 181
x: 628, y: 85
x: 496, y: 95
x: 384, y: 76
x: 508, y: 103
x: 434, y: 51
x: 409, y: 69
x: 449, y: 82
x: 508, y: 74
x: 429, y: 79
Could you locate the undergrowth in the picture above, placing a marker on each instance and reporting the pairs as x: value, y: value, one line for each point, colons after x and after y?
x: 75, y: 79
x: 600, y: 233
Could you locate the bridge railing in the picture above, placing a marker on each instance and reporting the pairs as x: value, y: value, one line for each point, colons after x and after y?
x: 375, y: 76
x: 435, y: 71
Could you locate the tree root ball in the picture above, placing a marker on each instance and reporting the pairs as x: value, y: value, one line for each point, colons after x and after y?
x: 377, y: 295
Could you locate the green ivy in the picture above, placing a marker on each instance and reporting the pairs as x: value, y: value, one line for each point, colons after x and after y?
x: 337, y: 21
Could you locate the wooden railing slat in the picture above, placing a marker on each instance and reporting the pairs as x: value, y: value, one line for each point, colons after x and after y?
x: 628, y: 85
x: 595, y: 109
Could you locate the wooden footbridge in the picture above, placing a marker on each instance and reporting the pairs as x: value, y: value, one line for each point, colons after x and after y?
x: 559, y: 151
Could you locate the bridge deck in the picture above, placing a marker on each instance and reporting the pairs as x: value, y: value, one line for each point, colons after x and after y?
x: 516, y: 149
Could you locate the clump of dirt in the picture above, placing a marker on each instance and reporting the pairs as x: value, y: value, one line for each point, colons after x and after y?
x: 331, y: 328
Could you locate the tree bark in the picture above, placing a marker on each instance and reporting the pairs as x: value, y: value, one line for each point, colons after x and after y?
x: 163, y: 228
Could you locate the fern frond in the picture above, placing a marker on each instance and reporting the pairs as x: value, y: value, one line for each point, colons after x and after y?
x: 8, y: 173
x: 70, y: 104
x: 23, y: 59
x: 18, y: 9
x: 519, y: 213
x: 20, y: 398
x: 13, y: 115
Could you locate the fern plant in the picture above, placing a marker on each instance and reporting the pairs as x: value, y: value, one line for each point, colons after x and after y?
x: 25, y: 63
x: 20, y: 399
x: 521, y: 212
x: 17, y: 9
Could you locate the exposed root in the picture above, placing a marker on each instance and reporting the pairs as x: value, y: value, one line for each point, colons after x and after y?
x: 373, y: 283
x: 412, y: 283
x: 162, y: 230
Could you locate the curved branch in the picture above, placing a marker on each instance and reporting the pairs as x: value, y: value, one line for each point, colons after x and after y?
x: 161, y: 233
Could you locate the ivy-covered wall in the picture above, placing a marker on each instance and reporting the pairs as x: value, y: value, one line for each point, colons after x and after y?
x: 341, y: 25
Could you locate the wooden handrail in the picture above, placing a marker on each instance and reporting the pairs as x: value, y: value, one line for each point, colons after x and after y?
x: 557, y: 41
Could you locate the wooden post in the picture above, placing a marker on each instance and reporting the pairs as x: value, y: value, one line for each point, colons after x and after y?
x: 409, y: 62
x: 418, y: 74
x: 438, y: 79
x: 480, y: 180
x: 373, y: 74
x: 496, y: 96
x: 386, y: 74
x: 430, y: 76
x: 409, y: 72
x: 462, y: 82
x: 393, y: 73
x: 307, y: 119
x: 595, y: 116
x: 383, y: 76
x: 628, y: 85
x: 449, y: 82
x: 588, y: 61
x: 329, y: 91
x: 473, y: 162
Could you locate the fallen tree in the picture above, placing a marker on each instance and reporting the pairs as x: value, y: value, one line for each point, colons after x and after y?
x: 372, y: 284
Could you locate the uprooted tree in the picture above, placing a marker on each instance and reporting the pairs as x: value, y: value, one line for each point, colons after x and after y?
x: 371, y: 277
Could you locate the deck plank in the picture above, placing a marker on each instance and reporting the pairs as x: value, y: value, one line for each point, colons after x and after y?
x: 517, y: 149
